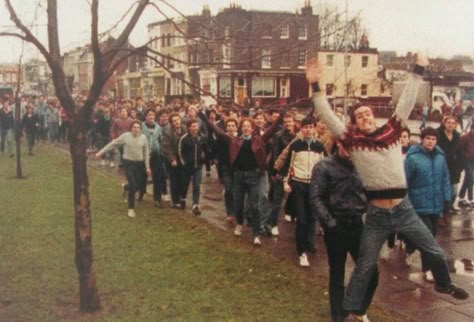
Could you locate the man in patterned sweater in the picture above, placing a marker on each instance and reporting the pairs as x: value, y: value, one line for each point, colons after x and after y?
x: 377, y: 157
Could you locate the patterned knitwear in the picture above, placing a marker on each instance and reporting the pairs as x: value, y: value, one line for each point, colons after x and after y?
x: 376, y: 156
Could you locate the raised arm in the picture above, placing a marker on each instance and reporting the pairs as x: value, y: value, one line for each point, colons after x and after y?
x: 407, y: 100
x: 212, y: 127
x: 320, y: 103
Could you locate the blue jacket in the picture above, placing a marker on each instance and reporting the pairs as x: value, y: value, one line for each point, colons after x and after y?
x: 427, y: 179
x: 153, y: 137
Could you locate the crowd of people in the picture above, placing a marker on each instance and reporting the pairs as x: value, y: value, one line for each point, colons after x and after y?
x: 365, y: 185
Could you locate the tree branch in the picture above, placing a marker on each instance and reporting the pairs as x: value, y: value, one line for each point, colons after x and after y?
x: 28, y: 35
x: 12, y: 34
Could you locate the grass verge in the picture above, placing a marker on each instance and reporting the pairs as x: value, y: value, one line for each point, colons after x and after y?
x: 162, y: 265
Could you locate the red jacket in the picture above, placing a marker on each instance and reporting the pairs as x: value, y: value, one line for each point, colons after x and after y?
x: 235, y: 143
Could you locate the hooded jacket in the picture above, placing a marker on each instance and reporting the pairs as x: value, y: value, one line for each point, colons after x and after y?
x: 427, y: 179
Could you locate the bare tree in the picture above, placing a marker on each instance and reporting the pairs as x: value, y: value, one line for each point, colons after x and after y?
x: 105, y: 61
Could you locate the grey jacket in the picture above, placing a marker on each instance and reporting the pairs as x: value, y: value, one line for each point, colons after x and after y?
x: 336, y: 192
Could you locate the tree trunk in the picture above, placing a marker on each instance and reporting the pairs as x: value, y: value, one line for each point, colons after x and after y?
x: 89, y: 297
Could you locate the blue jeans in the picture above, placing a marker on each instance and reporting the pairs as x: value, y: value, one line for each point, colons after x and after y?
x: 228, y: 181
x: 246, y: 183
x: 7, y: 137
x: 380, y: 223
x: 196, y: 175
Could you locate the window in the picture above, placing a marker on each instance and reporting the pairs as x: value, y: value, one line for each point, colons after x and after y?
x: 284, y: 87
x: 347, y: 61
x: 302, y: 32
x: 365, y: 61
x: 226, y: 52
x: 168, y: 39
x: 302, y: 58
x: 266, y: 58
x: 330, y: 60
x: 163, y: 41
x: 285, y: 32
x: 225, y: 89
x: 363, y: 90
x: 263, y: 87
x: 329, y: 89
x: 285, y: 59
x: 227, y: 32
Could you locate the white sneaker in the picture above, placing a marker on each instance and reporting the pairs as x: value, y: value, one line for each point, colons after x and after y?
x: 287, y: 218
x: 257, y: 241
x: 275, y: 231
x: 362, y: 318
x: 304, y: 260
x: 428, y: 276
x: 102, y: 163
x: 111, y: 164
x: 165, y: 198
x: 238, y: 230
x: 131, y: 213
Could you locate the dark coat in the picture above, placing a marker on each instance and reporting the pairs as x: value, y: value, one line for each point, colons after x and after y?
x: 30, y: 123
x: 453, y: 154
x: 336, y: 192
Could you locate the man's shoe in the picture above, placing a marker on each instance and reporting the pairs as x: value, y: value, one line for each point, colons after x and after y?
x: 462, y: 203
x: 157, y: 204
x: 102, y: 163
x: 275, y: 231
x: 111, y: 164
x: 456, y: 292
x: 428, y: 276
x: 131, y: 213
x: 287, y: 218
x: 183, y: 204
x: 238, y: 230
x: 196, y: 211
x: 176, y: 206
x: 165, y: 198
x: 303, y: 260
x: 257, y: 241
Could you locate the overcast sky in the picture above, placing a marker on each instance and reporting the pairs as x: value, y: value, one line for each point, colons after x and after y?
x: 438, y: 27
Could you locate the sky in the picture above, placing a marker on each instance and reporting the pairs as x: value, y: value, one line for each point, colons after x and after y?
x: 441, y: 28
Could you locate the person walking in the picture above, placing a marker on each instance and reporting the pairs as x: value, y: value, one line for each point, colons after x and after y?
x: 303, y: 154
x: 153, y: 134
x: 428, y: 185
x: 135, y: 160
x: 171, y: 137
x: 6, y: 130
x: 30, y: 123
x: 192, y: 154
x: 247, y: 157
x: 338, y: 201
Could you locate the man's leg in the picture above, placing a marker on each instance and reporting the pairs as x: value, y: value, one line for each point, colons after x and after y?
x: 376, y: 230
x: 411, y: 226
x: 301, y: 229
x: 197, y: 178
x: 336, y: 246
x: 353, y: 237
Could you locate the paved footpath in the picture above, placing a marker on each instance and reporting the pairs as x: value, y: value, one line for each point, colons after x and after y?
x: 401, y: 287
